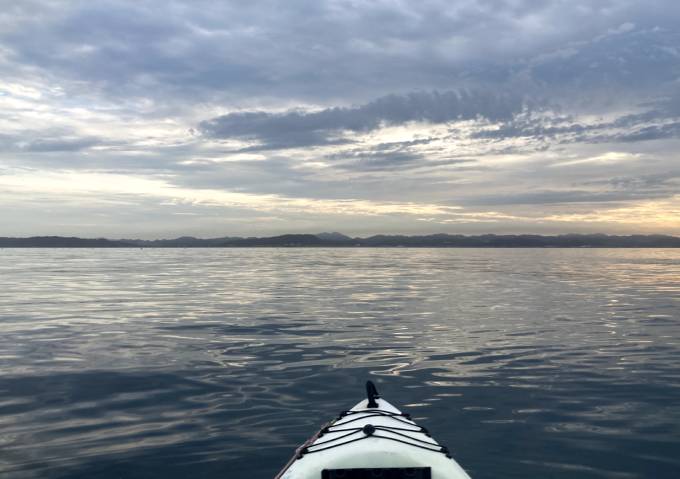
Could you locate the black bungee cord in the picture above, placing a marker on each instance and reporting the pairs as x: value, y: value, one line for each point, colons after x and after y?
x: 370, y: 430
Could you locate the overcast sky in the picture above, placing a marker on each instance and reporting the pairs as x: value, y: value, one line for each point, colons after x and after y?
x: 161, y: 118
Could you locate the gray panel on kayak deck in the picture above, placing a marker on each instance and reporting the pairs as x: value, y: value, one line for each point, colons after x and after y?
x: 378, y: 473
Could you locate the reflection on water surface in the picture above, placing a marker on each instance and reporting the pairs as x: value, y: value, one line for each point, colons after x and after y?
x: 203, y: 362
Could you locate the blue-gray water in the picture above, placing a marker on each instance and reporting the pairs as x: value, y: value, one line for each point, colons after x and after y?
x: 217, y: 363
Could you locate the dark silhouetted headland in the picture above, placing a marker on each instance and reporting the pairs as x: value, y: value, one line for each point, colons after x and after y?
x: 60, y: 242
x: 340, y: 240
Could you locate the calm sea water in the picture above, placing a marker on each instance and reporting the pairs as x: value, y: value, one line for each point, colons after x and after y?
x: 217, y: 363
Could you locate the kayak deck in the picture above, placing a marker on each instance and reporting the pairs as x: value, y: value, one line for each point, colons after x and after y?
x: 373, y: 440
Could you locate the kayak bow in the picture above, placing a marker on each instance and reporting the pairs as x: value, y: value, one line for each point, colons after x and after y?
x: 372, y: 440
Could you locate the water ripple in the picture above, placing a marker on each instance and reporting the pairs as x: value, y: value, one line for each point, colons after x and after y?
x: 176, y: 363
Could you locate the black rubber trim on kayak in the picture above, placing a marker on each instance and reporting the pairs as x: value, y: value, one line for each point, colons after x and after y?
x: 372, y: 395
x: 379, y: 473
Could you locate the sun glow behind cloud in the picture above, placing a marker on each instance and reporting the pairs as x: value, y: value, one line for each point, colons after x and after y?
x: 90, y: 186
x: 645, y: 216
x: 75, y: 188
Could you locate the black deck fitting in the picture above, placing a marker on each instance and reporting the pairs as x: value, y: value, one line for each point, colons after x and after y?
x: 371, y: 394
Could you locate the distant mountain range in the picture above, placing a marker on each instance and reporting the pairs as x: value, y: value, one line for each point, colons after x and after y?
x: 341, y: 240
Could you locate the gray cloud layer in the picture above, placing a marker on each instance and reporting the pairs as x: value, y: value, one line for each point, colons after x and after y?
x: 531, y: 108
x: 304, y: 128
x: 340, y: 51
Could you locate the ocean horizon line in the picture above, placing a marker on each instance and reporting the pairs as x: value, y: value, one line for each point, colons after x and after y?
x: 490, y: 240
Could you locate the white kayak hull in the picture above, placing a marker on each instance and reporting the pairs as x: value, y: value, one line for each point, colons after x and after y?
x: 371, y: 438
